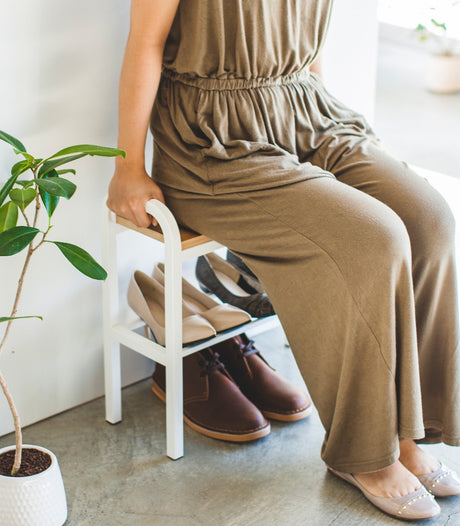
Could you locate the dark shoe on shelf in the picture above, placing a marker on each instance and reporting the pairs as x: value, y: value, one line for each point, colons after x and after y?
x: 213, y: 404
x: 240, y: 265
x: 276, y: 397
x: 219, y: 277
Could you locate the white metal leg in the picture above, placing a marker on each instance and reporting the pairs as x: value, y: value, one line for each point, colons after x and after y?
x: 112, y: 368
x: 112, y: 373
x: 173, y: 320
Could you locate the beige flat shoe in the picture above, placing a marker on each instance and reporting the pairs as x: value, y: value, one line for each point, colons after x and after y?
x: 221, y: 316
x: 441, y: 483
x: 417, y: 505
x: 146, y: 298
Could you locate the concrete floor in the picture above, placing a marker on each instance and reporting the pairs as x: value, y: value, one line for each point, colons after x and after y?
x: 119, y: 475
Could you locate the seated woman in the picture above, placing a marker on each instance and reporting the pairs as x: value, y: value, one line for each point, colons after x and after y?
x: 355, y: 250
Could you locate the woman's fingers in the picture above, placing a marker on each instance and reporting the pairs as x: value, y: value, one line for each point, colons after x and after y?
x: 140, y: 216
x: 128, y: 193
x: 158, y: 195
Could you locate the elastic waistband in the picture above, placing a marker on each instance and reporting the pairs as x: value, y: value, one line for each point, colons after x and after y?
x: 211, y: 83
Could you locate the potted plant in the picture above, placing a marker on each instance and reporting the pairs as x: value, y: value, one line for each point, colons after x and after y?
x: 443, y: 62
x: 31, y: 487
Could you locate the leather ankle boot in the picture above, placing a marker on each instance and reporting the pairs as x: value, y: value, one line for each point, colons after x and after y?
x: 213, y: 404
x: 276, y: 397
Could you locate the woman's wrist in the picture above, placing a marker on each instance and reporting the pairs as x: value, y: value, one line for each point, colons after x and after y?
x: 131, y: 164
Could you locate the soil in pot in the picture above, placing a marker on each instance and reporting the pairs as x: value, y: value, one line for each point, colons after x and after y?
x: 33, y: 462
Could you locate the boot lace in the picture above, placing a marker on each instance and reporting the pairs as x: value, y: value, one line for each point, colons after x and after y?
x: 247, y: 348
x: 211, y: 363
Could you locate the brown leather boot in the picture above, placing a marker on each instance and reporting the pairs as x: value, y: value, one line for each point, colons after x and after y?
x: 275, y: 396
x: 213, y: 403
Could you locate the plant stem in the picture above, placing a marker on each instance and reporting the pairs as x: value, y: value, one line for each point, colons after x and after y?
x: 14, y: 412
x: 26, y: 219
x: 18, y: 295
x: 17, y: 426
x: 43, y: 239
x: 37, y: 199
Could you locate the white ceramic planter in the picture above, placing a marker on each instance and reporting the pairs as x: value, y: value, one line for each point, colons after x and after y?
x: 37, y: 500
x: 443, y: 73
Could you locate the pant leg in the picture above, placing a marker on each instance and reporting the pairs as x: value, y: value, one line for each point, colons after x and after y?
x: 431, y: 228
x: 336, y: 264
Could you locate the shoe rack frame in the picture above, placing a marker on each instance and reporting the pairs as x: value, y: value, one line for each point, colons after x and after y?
x: 179, y: 246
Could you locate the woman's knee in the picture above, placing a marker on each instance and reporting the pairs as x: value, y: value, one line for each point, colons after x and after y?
x: 390, y: 240
x: 432, y: 228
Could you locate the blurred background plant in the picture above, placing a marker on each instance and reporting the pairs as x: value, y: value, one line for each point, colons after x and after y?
x: 435, y: 29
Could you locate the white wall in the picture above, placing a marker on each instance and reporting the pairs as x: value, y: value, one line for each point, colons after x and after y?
x: 350, y: 54
x: 59, y: 65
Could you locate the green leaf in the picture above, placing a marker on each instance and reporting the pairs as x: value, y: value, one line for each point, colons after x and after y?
x: 50, y: 201
x: 66, y: 171
x: 81, y: 260
x: 25, y: 184
x: 57, y: 186
x: 48, y: 165
x: 22, y: 197
x: 3, y: 319
x: 7, y: 187
x: 8, y: 216
x: 12, y: 141
x: 440, y: 25
x: 28, y: 156
x: 21, y: 167
x: 90, y: 149
x: 15, y: 239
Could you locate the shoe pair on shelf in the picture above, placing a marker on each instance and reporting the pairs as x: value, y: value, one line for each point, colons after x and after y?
x: 233, y: 282
x: 202, y: 316
x: 230, y: 391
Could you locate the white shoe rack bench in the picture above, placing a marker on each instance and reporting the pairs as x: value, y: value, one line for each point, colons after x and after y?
x: 179, y: 246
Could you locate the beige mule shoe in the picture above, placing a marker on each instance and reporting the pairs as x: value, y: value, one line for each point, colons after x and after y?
x: 146, y: 298
x: 221, y: 316
x: 417, y: 505
x: 441, y: 483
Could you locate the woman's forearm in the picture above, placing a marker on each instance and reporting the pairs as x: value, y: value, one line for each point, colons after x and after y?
x: 140, y: 76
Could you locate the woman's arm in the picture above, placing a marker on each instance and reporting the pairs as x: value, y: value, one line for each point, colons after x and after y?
x: 131, y: 187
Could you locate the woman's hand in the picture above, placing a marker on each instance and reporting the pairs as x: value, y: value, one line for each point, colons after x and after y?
x: 129, y: 190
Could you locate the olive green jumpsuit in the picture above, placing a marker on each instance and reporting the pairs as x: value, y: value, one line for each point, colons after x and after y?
x: 355, y: 250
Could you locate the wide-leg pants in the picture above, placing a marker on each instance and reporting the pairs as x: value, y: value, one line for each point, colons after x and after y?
x: 360, y: 269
